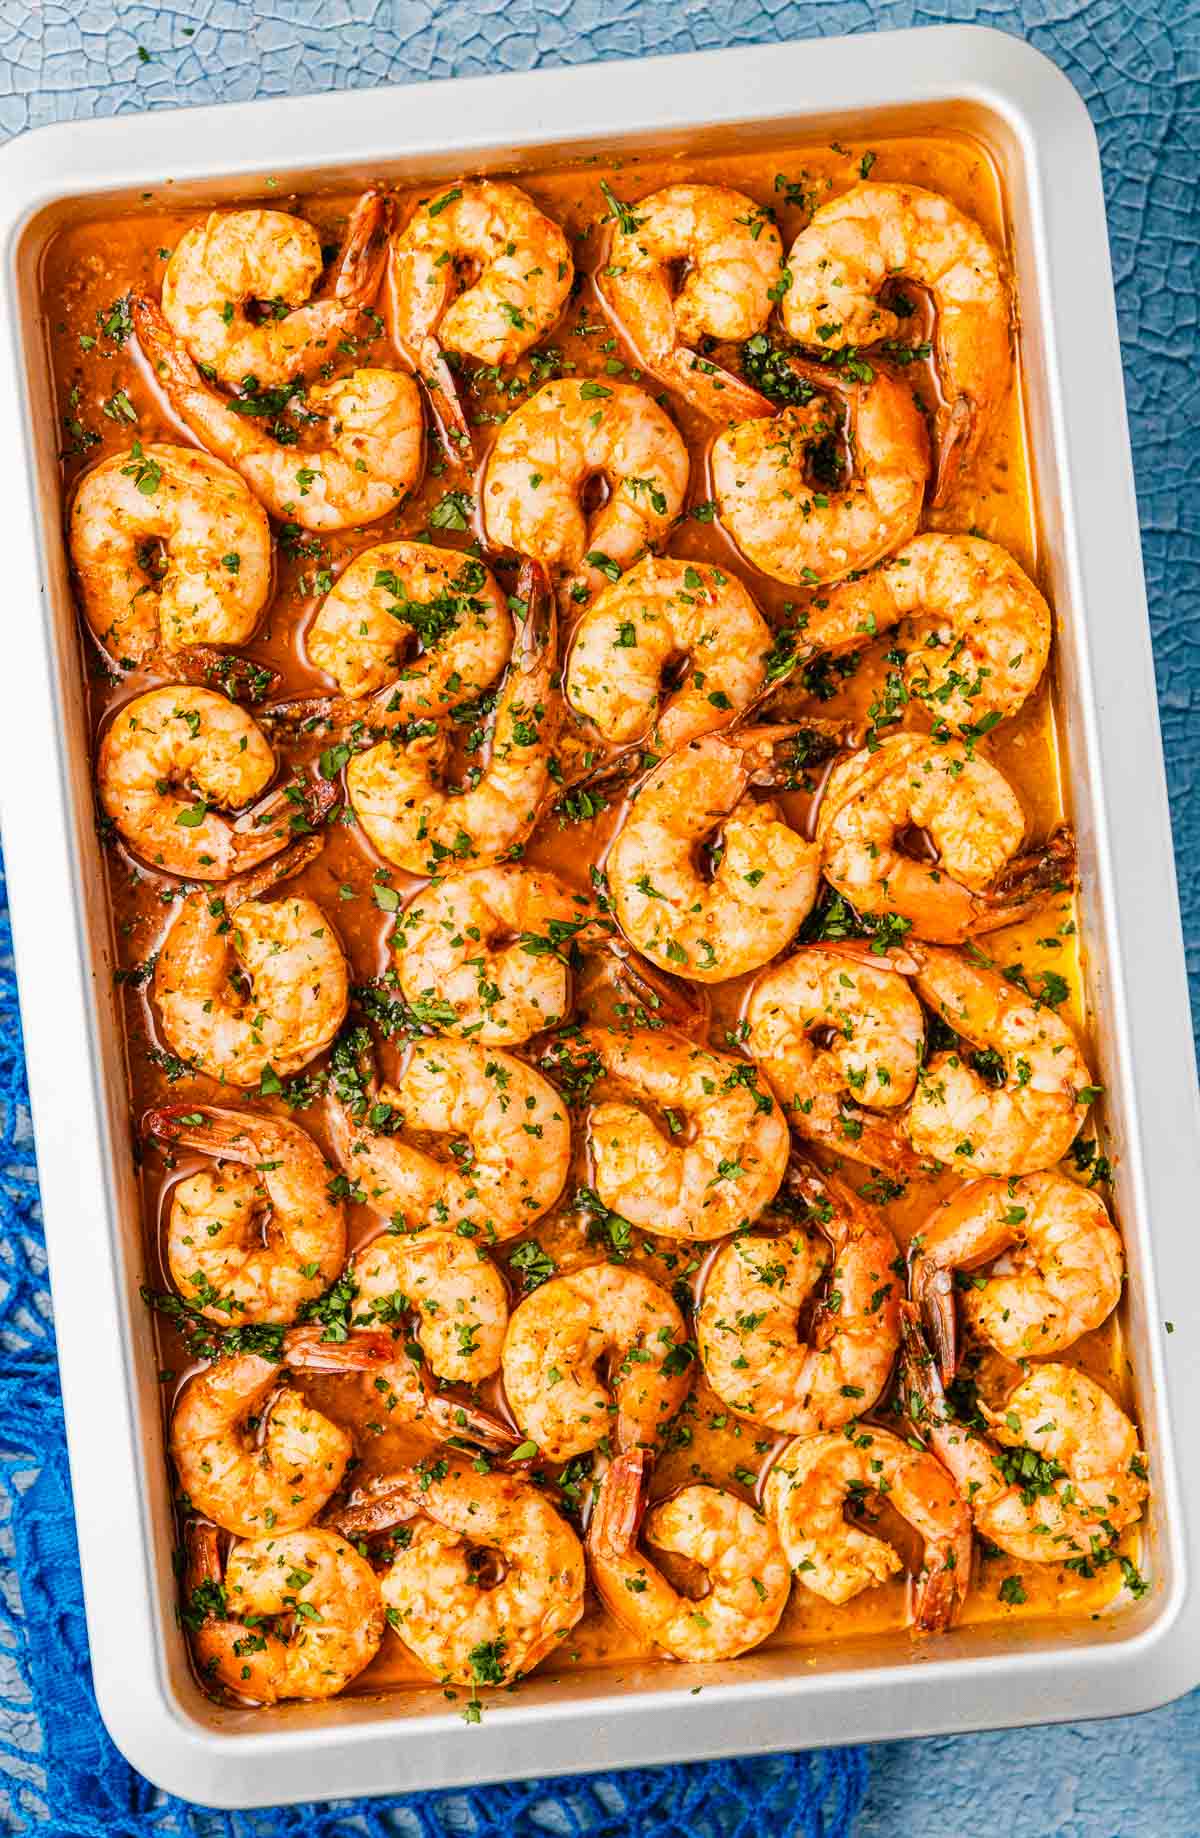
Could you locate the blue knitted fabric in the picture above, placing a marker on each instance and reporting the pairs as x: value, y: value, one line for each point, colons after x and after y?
x: 1133, y: 60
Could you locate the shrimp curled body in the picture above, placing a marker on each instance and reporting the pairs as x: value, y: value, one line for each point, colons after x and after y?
x: 659, y: 612
x: 183, y: 740
x: 737, y: 1547
x: 807, y: 1493
x: 216, y: 553
x: 549, y: 448
x: 266, y: 1172
x: 840, y: 1036
x: 555, y: 1342
x: 733, y: 256
x: 876, y: 233
x: 220, y: 266
x: 506, y: 1133
x: 1065, y: 1257
x: 722, y: 1156
x: 332, y: 1595
x: 1026, y: 1122
x: 750, y: 1311
x: 797, y: 532
x: 440, y: 1598
x: 711, y: 929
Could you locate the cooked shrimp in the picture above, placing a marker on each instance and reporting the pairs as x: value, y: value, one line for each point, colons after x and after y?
x: 166, y: 759
x: 971, y: 814
x: 840, y: 1035
x: 1067, y: 1266
x: 747, y: 1572
x: 314, y: 1580
x: 375, y: 444
x: 247, y: 1479
x: 507, y: 1142
x: 753, y: 1296
x: 258, y: 1235
x: 719, y: 1160
x: 797, y: 529
x: 218, y: 267
x: 1086, y: 1483
x: 733, y: 260
x: 214, y: 575
x: 767, y: 874
x: 664, y: 612
x: 975, y: 633
x: 402, y: 594
x: 244, y: 984
x: 809, y: 1489
x: 548, y: 450
x: 488, y: 952
x: 491, y: 1579
x: 877, y: 234
x: 451, y: 1289
x: 598, y: 1356
x: 396, y: 787
x: 520, y: 270
x: 1027, y: 1120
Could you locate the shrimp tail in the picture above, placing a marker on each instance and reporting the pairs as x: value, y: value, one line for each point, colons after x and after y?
x: 617, y: 1517
x: 717, y: 393
x: 165, y: 354
x: 779, y: 753
x: 684, y: 1007
x: 305, y: 1349
x: 262, y: 876
x: 202, y: 1561
x: 459, y: 1418
x: 932, y: 1290
x: 1049, y: 868
x: 392, y: 1500
x: 364, y: 252
x: 242, y: 679
x: 954, y: 426
x: 445, y: 404
x: 921, y: 1392
x: 941, y: 1587
x: 538, y: 627
x: 218, y: 1132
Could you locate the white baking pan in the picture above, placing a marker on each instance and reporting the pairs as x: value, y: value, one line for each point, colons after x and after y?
x: 1037, y: 130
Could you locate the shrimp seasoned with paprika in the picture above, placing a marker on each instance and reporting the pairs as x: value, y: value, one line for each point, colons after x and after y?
x: 598, y: 1355
x: 840, y: 1036
x: 487, y: 954
x: 660, y: 614
x: 415, y: 627
x: 974, y: 629
x: 170, y: 550
x: 398, y: 787
x: 244, y: 984
x: 372, y: 435
x: 170, y: 763
x: 732, y: 260
x: 478, y: 270
x: 450, y: 1288
x: 1066, y: 1266
x: 978, y: 879
x: 249, y: 1483
x: 801, y: 515
x: 313, y: 1579
x: 759, y: 1283
x: 258, y: 1234
x: 733, y: 1543
x: 710, y: 928
x: 876, y: 234
x: 1087, y: 1478
x: 491, y: 1578
x: 714, y: 1161
x: 817, y: 1477
x: 547, y: 451
x: 237, y: 258
x: 1023, y: 1118
x: 505, y: 1132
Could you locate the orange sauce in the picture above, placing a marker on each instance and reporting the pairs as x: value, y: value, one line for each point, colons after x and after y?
x: 104, y: 401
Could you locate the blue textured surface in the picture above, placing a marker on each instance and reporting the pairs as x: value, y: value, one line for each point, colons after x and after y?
x: 1137, y: 64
